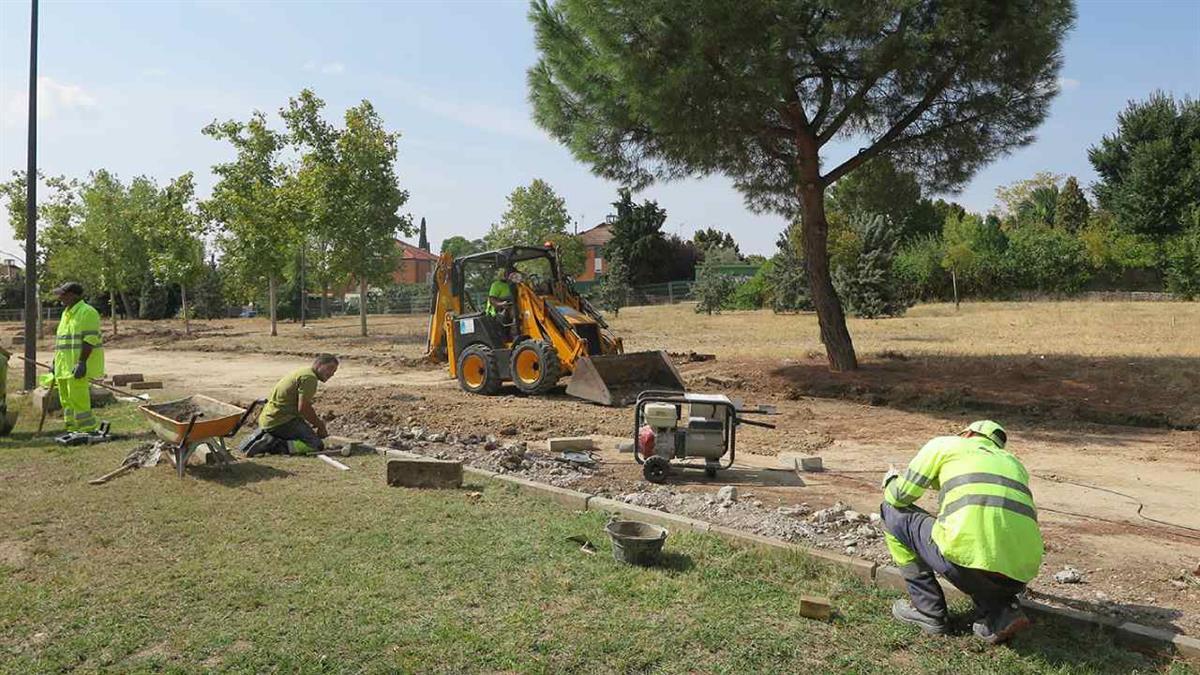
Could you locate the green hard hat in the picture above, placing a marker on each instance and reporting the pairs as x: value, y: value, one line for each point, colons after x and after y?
x: 990, y: 429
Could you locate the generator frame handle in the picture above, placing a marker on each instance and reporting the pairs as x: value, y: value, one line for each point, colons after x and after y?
x: 676, y: 398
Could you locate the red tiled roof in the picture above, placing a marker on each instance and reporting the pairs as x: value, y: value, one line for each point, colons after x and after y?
x: 410, y: 252
x: 597, y: 236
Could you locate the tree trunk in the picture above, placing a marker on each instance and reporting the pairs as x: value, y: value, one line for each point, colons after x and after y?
x: 839, y: 349
x: 112, y: 309
x: 954, y: 282
x: 271, y: 288
x: 362, y: 305
x: 303, y: 291
x: 187, y: 322
x: 41, y: 315
x: 125, y: 303
x: 325, y: 301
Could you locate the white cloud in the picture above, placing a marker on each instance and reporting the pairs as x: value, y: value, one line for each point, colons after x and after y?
x: 1067, y: 84
x: 331, y: 68
x: 54, y: 99
x: 477, y: 115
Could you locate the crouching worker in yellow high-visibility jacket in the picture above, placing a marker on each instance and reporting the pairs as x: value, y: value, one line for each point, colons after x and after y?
x: 78, y: 357
x: 985, y: 539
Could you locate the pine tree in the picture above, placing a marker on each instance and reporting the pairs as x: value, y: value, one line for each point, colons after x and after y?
x: 423, y: 244
x: 869, y: 286
x: 1072, y: 210
x: 615, y: 288
x: 788, y: 279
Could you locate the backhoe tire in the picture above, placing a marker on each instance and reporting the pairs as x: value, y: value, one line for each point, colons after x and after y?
x: 535, y: 367
x: 478, y: 372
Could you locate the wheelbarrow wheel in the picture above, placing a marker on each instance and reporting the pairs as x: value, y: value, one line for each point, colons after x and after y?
x: 655, y: 469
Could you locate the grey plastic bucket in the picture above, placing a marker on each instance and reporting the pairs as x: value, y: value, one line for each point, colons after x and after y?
x: 635, y: 542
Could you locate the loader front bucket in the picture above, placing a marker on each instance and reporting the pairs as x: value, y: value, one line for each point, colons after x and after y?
x: 617, y: 379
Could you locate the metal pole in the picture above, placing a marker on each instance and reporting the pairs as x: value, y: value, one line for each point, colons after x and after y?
x: 31, y: 314
x: 303, y: 285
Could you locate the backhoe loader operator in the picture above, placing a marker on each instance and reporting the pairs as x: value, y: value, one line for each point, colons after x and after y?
x: 500, y: 292
x: 985, y: 539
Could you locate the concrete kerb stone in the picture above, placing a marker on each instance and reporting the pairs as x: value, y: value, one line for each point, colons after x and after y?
x: 479, y: 473
x: 1157, y: 640
x: 662, y: 518
x: 862, y: 569
x: 570, y: 498
x: 890, y: 577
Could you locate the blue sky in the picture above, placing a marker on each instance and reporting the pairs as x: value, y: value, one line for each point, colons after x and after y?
x: 127, y: 86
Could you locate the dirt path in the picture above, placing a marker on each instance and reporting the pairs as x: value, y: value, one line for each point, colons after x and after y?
x: 1133, y: 568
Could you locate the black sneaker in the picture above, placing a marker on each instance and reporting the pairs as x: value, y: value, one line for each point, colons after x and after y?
x: 904, y: 611
x: 1001, y: 626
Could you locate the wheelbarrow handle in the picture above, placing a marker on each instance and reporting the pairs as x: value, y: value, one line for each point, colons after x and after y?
x: 245, y: 416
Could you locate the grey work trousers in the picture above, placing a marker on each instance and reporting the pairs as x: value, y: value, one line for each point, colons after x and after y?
x: 913, y: 526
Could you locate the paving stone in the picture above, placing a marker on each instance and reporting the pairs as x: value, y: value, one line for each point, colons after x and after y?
x: 424, y: 472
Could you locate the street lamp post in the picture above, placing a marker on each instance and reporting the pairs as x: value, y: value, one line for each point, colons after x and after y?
x: 31, y: 174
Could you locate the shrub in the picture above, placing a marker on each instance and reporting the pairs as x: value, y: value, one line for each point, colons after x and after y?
x: 787, y: 278
x: 755, y: 292
x: 918, y: 267
x: 1182, y: 264
x: 712, y: 289
x: 1046, y: 259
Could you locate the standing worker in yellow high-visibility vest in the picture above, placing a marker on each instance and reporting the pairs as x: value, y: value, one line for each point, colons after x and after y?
x: 78, y: 357
x: 985, y: 538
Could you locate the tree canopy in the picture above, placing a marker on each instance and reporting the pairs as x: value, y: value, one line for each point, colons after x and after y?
x: 637, y: 236
x: 1150, y: 167
x: 645, y: 90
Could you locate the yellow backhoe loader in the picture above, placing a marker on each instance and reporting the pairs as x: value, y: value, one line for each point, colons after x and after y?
x: 546, y: 331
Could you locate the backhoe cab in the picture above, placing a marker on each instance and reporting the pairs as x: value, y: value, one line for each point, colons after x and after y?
x: 547, y: 331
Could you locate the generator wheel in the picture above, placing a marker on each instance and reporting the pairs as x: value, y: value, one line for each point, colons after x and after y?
x: 655, y: 469
x: 535, y: 366
x: 478, y: 371
x: 710, y: 471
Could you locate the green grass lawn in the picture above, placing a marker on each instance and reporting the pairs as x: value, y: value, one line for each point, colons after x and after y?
x: 285, y: 564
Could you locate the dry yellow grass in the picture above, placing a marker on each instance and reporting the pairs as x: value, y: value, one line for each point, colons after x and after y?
x: 1090, y: 329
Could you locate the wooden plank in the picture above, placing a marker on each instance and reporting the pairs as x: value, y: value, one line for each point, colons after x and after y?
x: 334, y: 463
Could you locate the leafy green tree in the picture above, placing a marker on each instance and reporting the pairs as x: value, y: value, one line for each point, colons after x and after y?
x: 534, y: 213
x: 787, y: 279
x: 680, y: 257
x: 918, y: 266
x: 107, y: 252
x: 1072, y: 210
x: 755, y: 292
x: 878, y: 187
x: 615, y: 288
x: 645, y: 90
x: 712, y: 289
x: 173, y: 239
x: 364, y: 246
x: 1111, y: 249
x: 423, y: 242
x: 869, y: 287
x: 711, y: 237
x: 973, y: 254
x: 256, y: 240
x: 1150, y: 167
x: 1018, y: 197
x: 637, y: 236
x: 458, y: 246
x: 1046, y: 259
x: 1182, y: 263
x: 209, y: 293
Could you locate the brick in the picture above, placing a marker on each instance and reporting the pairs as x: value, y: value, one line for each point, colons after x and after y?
x: 145, y: 385
x: 815, y: 607
x: 101, y: 396
x: 667, y: 520
x: 423, y: 472
x: 127, y: 378
x: 17, y: 340
x: 811, y: 464
x: 571, y: 499
x: 356, y: 446
x: 581, y: 443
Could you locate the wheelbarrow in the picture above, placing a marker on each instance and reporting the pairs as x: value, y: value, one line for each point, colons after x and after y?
x: 197, y: 420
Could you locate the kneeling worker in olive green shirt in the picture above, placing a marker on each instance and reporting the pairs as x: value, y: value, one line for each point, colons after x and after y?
x: 289, y: 414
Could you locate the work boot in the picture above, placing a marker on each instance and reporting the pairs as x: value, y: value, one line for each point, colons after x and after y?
x: 1000, y: 626
x: 904, y: 611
